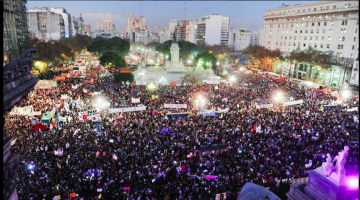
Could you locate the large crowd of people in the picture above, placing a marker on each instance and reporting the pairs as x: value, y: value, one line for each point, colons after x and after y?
x: 152, y: 154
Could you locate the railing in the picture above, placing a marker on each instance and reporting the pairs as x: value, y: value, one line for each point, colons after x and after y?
x: 344, y: 62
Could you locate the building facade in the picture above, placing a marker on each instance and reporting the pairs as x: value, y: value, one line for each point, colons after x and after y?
x: 255, y: 38
x: 325, y: 26
x: 45, y: 24
x: 87, y: 29
x: 67, y: 20
x: 137, y: 29
x: 99, y: 26
x: 239, y: 39
x: 108, y: 25
x: 213, y: 30
x: 15, y: 29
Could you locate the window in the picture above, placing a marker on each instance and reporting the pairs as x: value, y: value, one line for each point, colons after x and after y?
x: 276, y: 43
x: 299, y: 44
x: 314, y: 9
x: 310, y: 38
x: 285, y: 37
x: 280, y: 43
x: 354, y: 39
x: 318, y: 23
x: 329, y: 38
x: 325, y: 23
x: 299, y: 37
x: 342, y: 38
x: 306, y: 31
x: 313, y: 24
x: 328, y: 46
x: 290, y: 37
x: 340, y: 46
x: 281, y: 37
x: 294, y: 37
x: 327, y: 7
x: 343, y: 30
x: 334, y: 7
x: 346, y: 5
x: 356, y: 30
x: 322, y: 38
x: 301, y: 31
x: 353, y: 47
x: 321, y: 45
x: 317, y: 30
x: 330, y: 30
x: 324, y: 31
x: 311, y: 31
x: 305, y: 38
x: 332, y: 24
x: 315, y: 45
x: 316, y: 38
x: 295, y: 31
x: 344, y: 22
x: 294, y: 44
x: 304, y: 45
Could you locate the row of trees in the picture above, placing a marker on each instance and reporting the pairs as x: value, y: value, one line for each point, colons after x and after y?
x: 112, y: 54
x: 55, y: 53
x: 259, y: 55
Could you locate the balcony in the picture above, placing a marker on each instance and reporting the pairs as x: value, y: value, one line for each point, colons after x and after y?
x: 323, y: 11
x: 343, y: 62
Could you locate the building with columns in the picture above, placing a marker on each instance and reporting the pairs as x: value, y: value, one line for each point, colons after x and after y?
x: 325, y: 26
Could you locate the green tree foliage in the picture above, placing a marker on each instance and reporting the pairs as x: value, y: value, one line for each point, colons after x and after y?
x: 56, y: 53
x: 216, y: 49
x: 115, y: 44
x: 152, y: 45
x: 113, y: 60
x: 257, y: 54
x: 124, y: 77
x: 205, y: 60
x: 165, y: 48
x: 186, y: 48
x: 312, y: 56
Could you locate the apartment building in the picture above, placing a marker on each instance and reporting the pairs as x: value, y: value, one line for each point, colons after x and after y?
x: 325, y: 26
x: 213, y: 30
x: 255, y: 38
x: 239, y: 39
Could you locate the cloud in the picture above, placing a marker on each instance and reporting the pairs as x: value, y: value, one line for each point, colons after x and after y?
x: 93, y: 18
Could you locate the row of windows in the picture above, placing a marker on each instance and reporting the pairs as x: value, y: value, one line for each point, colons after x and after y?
x: 312, y: 24
x: 299, y: 44
x: 310, y: 9
x: 343, y: 30
x: 316, y: 38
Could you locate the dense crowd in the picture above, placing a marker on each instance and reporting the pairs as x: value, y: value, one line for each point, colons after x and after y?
x: 151, y: 155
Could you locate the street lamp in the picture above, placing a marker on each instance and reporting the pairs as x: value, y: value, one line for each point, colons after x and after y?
x: 151, y: 86
x: 232, y: 79
x: 242, y: 69
x: 278, y: 96
x: 189, y: 62
x: 346, y: 94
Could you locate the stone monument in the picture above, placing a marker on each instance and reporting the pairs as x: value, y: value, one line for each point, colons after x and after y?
x: 326, y: 182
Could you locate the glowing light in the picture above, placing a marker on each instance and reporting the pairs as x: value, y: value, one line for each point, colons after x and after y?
x: 353, y: 182
x: 278, y: 96
x: 232, y: 79
x: 217, y: 63
x: 30, y: 167
x: 151, y: 86
x: 346, y: 94
x: 242, y: 69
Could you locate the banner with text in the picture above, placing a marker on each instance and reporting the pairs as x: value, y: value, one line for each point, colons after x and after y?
x: 264, y: 106
x: 289, y: 103
x: 28, y: 110
x: 128, y: 109
x: 175, y: 105
x: 135, y: 100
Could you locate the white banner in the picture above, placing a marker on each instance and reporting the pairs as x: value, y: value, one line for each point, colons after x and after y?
x: 135, y: 100
x: 35, y: 113
x: 222, y: 110
x: 64, y: 96
x: 128, y: 109
x: 85, y: 90
x: 264, y: 106
x: 289, y: 103
x: 96, y: 93
x: 355, y: 74
x: 28, y: 110
x: 175, y: 105
x: 353, y: 109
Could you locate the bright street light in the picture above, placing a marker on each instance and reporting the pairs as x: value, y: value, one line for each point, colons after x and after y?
x: 151, y: 86
x: 217, y: 63
x: 346, y: 94
x: 242, y: 68
x: 232, y: 79
x: 278, y: 96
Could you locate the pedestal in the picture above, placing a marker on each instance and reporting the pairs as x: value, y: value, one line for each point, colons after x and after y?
x: 320, y: 187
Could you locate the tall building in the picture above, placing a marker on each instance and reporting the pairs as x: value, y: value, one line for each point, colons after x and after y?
x: 239, y: 39
x: 108, y: 25
x: 137, y: 30
x: 87, y: 29
x: 45, y: 24
x: 15, y: 29
x: 325, y: 26
x: 99, y: 26
x: 255, y: 38
x: 172, y: 25
x: 67, y: 20
x: 213, y: 30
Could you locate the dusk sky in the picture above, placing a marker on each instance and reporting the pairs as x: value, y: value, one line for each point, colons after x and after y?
x: 243, y: 14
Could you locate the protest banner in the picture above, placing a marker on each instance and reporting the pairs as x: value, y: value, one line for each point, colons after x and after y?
x: 264, y: 106
x: 175, y: 105
x: 27, y: 110
x: 43, y: 84
x: 207, y: 113
x: 135, y: 100
x: 289, y: 103
x: 222, y: 110
x: 128, y: 109
x: 60, y: 78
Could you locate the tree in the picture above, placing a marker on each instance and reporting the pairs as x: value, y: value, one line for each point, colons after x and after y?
x: 115, y: 44
x: 216, y: 49
x: 124, y: 77
x: 186, y: 48
x: 152, y: 45
x: 259, y: 55
x: 205, y: 60
x: 113, y: 60
x: 221, y: 57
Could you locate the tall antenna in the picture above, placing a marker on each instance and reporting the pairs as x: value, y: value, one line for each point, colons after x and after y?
x: 184, y: 10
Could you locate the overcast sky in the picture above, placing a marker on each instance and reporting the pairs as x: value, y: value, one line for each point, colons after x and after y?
x: 243, y: 14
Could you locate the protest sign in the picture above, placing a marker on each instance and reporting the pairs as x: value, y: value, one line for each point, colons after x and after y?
x: 60, y: 78
x: 289, y: 103
x: 175, y: 105
x: 128, y: 109
x: 135, y: 100
x: 207, y: 113
x: 27, y: 110
x: 264, y: 106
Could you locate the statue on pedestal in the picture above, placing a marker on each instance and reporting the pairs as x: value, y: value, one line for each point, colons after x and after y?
x: 341, y: 160
x: 174, y: 37
x: 328, y: 166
